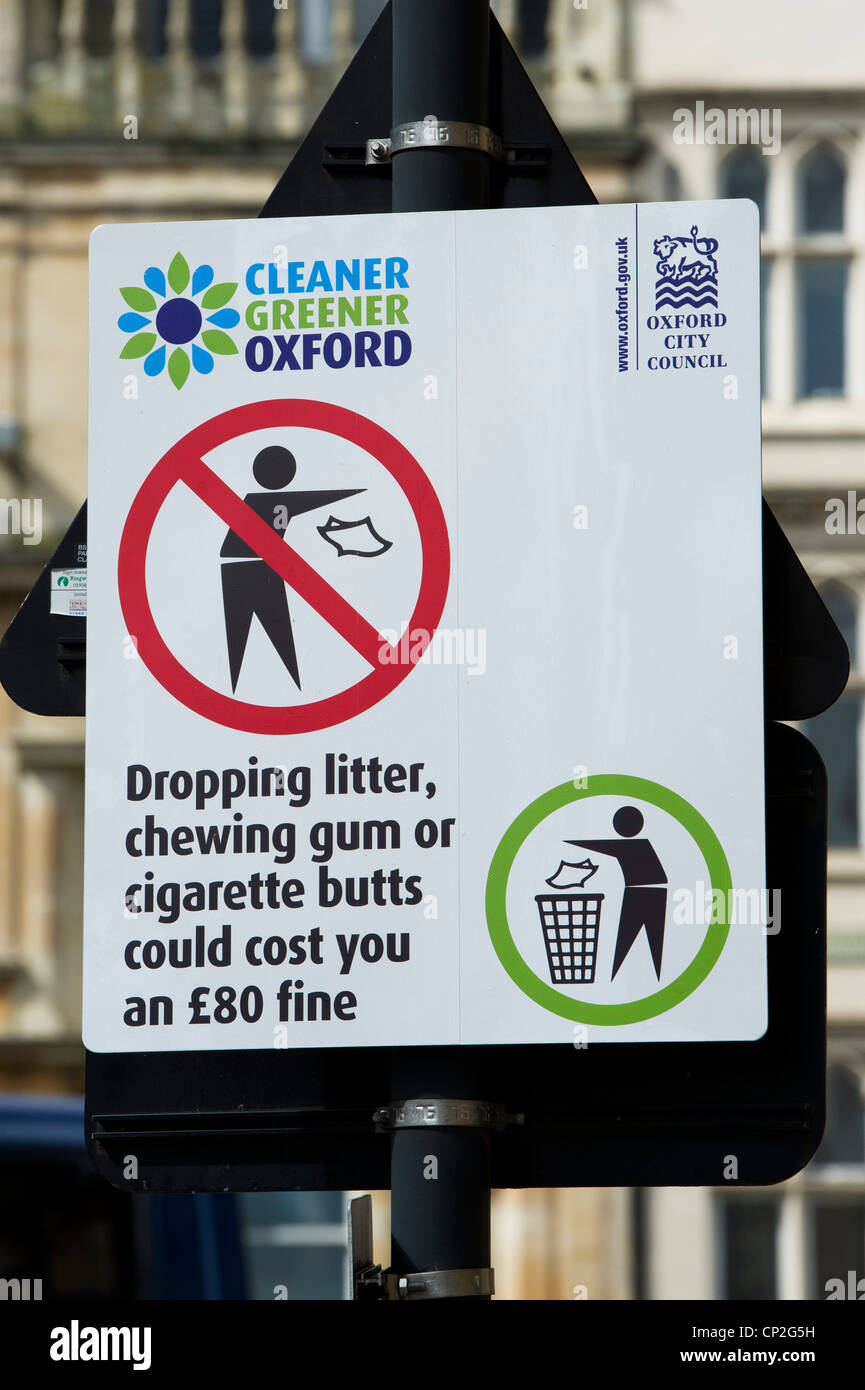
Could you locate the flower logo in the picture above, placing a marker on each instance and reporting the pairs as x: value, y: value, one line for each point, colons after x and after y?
x: 178, y: 321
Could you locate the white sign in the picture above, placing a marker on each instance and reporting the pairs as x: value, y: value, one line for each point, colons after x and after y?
x: 424, y: 641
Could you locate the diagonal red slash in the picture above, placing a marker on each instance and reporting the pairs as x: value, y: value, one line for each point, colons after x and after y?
x: 306, y: 581
x: 171, y: 469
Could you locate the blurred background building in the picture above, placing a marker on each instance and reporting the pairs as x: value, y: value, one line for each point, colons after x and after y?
x: 124, y: 110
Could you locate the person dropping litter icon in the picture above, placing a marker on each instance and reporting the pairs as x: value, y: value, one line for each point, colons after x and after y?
x: 250, y: 588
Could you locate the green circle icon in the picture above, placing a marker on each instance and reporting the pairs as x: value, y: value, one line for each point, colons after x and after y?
x: 580, y: 1010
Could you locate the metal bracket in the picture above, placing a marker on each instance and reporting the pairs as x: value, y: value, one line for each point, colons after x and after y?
x: 361, y: 1269
x: 369, y: 1282
x: 455, y: 1114
x: 440, y: 1283
x: 433, y: 134
x: 376, y: 1284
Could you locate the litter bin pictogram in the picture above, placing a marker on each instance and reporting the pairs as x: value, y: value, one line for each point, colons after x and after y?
x: 570, y: 922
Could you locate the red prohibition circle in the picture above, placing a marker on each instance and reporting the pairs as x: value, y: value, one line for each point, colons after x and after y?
x: 182, y: 463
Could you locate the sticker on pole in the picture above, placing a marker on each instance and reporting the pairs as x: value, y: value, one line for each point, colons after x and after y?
x: 317, y: 542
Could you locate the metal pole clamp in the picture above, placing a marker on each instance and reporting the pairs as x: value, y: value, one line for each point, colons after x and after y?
x: 433, y: 134
x: 453, y: 1114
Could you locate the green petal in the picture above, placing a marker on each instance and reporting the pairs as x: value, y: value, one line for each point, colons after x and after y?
x: 178, y: 367
x: 138, y: 299
x: 139, y: 346
x: 218, y: 341
x: 178, y: 274
x: 217, y: 295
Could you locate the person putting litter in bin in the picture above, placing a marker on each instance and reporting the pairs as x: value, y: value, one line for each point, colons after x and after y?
x: 644, y: 901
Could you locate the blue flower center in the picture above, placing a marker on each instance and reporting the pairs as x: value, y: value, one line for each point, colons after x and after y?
x: 178, y: 321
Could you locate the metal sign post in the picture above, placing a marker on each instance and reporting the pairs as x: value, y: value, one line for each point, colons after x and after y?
x: 440, y: 1174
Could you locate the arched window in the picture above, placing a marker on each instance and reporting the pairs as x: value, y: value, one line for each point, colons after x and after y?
x: 821, y: 325
x: 820, y: 183
x: 744, y: 175
x: 821, y: 280
x: 835, y: 733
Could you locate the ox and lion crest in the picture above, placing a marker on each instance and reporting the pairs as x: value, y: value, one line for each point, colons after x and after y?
x: 687, y: 271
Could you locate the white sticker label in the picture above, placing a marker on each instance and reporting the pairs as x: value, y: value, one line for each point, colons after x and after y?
x: 69, y: 592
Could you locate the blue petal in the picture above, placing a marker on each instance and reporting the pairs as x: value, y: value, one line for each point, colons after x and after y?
x: 224, y: 318
x: 202, y: 278
x: 201, y: 360
x: 129, y: 322
x: 155, y: 362
x: 154, y: 279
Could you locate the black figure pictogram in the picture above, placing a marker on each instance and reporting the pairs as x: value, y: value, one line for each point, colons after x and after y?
x: 250, y: 588
x: 644, y: 901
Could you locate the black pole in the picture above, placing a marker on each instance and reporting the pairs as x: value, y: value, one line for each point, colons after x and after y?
x: 440, y: 1200
x: 440, y: 1176
x: 441, y: 67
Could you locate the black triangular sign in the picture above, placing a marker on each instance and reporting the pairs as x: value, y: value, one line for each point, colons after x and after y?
x: 42, y: 653
x: 327, y: 174
x: 805, y: 658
